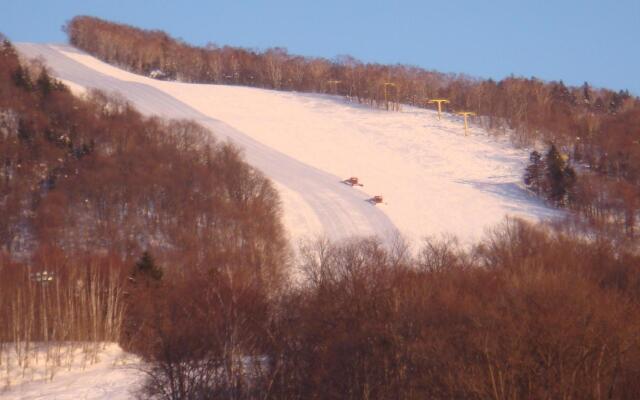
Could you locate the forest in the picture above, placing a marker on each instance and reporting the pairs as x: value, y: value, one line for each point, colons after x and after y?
x: 88, y: 185
x: 530, y: 312
x: 597, y: 130
x: 150, y: 233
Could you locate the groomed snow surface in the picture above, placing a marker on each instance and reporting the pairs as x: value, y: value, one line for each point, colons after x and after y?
x: 433, y: 179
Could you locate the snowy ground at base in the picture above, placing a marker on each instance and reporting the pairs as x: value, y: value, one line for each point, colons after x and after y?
x: 433, y: 178
x: 109, y: 373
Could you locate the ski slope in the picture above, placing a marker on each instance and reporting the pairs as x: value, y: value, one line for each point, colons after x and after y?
x: 434, y: 179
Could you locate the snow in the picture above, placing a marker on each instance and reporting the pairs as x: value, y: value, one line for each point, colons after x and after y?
x: 72, y: 371
x: 433, y: 178
x: 76, y: 89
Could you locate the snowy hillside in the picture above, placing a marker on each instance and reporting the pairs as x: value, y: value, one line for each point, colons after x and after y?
x: 70, y: 372
x: 433, y: 178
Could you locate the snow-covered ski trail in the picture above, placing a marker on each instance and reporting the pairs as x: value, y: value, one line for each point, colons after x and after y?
x: 340, y: 210
x: 434, y: 179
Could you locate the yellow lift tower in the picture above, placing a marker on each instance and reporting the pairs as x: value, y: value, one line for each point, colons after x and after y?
x: 466, y: 114
x: 439, y: 102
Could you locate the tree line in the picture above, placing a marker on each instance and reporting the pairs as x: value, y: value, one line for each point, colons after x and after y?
x: 597, y: 129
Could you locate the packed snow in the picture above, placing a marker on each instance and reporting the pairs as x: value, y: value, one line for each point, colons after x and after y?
x: 69, y: 371
x: 434, y: 180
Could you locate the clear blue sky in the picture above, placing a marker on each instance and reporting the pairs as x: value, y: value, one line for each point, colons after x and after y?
x: 572, y: 40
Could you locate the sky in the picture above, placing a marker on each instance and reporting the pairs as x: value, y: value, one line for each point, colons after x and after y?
x: 575, y: 41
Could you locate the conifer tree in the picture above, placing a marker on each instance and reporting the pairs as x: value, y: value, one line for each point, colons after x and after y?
x: 21, y: 78
x: 44, y: 83
x: 586, y: 93
x: 534, y: 175
x: 146, y: 269
x: 559, y: 177
x: 141, y: 294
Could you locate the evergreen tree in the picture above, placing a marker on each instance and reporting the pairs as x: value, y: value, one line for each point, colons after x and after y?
x: 141, y: 294
x: 21, y: 78
x: 561, y: 94
x: 44, y: 83
x: 586, y: 93
x: 534, y: 175
x: 560, y: 177
x: 146, y: 269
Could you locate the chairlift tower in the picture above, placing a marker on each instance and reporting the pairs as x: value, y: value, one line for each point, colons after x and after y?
x: 466, y: 114
x: 439, y: 102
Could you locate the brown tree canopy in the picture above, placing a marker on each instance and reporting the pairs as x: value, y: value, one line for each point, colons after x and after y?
x: 94, y: 175
x: 529, y: 313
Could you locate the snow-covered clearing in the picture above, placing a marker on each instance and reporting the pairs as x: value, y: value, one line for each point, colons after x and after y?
x: 69, y: 371
x: 433, y: 178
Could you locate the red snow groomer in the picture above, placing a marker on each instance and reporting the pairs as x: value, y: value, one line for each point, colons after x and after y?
x: 353, y: 181
x: 376, y: 200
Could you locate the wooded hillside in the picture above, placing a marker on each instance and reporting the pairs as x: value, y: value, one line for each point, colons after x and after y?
x: 87, y: 185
